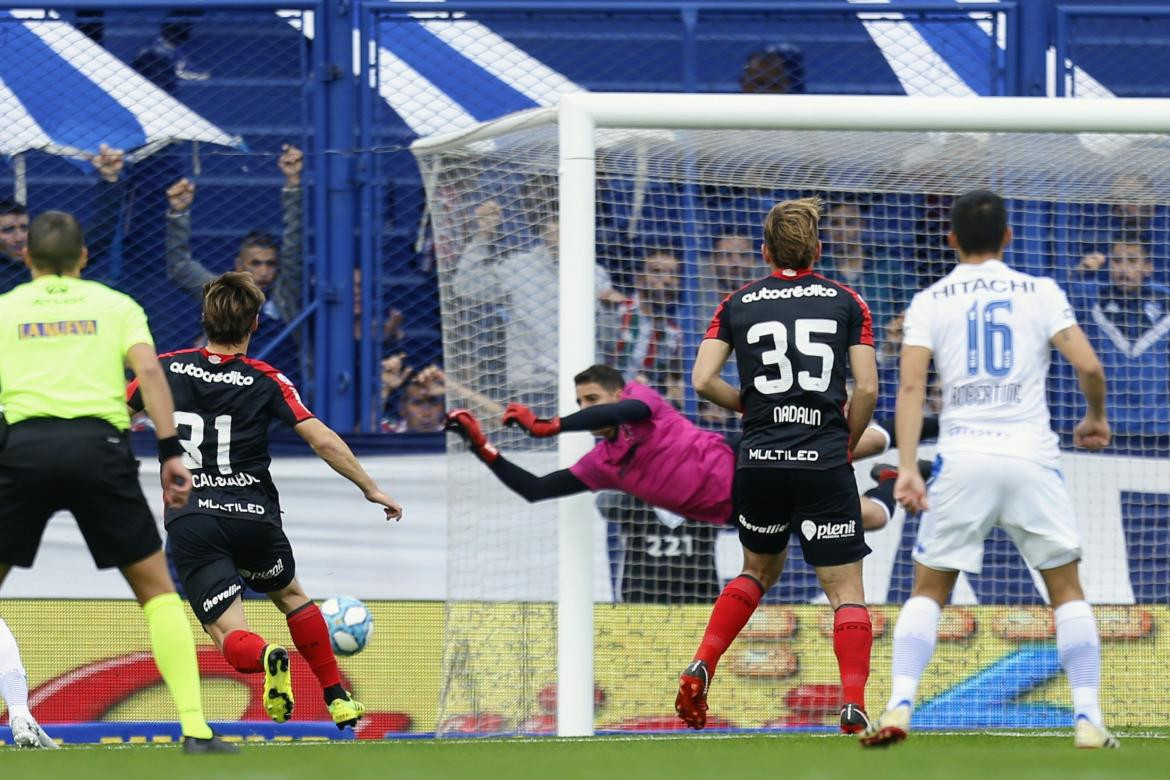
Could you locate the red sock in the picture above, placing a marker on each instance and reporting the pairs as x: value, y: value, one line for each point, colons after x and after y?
x: 244, y: 651
x: 733, y: 608
x: 310, y: 635
x: 852, y: 640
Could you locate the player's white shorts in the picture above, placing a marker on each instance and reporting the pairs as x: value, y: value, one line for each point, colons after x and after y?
x: 970, y: 493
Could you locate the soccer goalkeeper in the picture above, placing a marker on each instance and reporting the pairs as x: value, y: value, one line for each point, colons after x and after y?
x: 649, y: 450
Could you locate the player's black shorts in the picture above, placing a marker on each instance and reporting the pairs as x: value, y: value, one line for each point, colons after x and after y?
x: 216, y: 555
x: 821, y: 507
x: 83, y: 466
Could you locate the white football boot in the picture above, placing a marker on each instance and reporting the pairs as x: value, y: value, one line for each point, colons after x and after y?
x: 27, y: 733
x: 1089, y: 735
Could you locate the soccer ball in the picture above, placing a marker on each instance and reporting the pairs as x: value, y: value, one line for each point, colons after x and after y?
x: 349, y: 622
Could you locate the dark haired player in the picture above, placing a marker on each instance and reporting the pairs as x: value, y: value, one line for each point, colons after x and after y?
x: 642, y: 442
x: 792, y: 333
x: 990, y: 331
x: 230, y: 531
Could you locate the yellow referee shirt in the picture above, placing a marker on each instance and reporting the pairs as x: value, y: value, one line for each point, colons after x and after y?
x: 63, y: 345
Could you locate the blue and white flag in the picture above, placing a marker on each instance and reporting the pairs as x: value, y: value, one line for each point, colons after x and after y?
x: 63, y: 94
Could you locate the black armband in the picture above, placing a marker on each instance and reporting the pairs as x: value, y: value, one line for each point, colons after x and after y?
x: 169, y: 448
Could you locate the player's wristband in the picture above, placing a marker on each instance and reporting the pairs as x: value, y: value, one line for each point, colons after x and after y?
x: 169, y: 448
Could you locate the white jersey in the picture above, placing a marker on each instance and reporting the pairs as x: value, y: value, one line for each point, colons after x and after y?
x: 990, y: 329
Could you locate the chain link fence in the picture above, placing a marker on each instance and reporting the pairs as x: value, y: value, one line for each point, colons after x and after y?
x: 516, y: 59
x: 177, y: 138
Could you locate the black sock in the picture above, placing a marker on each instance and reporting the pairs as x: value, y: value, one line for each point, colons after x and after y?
x: 929, y: 428
x: 883, y: 494
x: 335, y: 692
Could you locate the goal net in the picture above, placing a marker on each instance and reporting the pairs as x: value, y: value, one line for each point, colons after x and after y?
x: 678, y: 224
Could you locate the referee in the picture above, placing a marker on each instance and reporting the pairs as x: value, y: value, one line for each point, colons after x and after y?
x: 64, y: 345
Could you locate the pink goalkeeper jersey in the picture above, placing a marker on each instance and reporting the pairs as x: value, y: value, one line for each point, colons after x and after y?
x: 665, y: 461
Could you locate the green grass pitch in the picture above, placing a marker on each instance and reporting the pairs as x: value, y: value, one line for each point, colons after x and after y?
x: 791, y: 757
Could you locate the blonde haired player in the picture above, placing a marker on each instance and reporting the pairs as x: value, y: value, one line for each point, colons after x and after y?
x: 990, y: 330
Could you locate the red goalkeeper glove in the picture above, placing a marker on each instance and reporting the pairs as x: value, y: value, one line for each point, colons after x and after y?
x: 463, y: 422
x: 519, y: 414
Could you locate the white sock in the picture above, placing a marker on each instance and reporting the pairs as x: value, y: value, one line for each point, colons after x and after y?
x: 1080, y: 655
x: 13, y: 684
x: 914, y: 637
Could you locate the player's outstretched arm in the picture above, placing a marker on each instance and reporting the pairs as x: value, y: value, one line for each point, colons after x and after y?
x: 1092, y: 432
x: 705, y: 376
x: 160, y: 405
x: 520, y: 481
x: 332, y: 449
x: 600, y: 416
x: 910, y: 489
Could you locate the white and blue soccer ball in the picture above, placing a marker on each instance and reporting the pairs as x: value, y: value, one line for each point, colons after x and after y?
x: 350, y: 624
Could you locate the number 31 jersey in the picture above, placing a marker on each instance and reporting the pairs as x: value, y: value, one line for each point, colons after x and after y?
x: 224, y: 406
x: 791, y: 333
x: 989, y: 329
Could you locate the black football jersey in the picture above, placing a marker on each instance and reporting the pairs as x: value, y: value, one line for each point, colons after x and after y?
x: 224, y: 406
x: 791, y: 333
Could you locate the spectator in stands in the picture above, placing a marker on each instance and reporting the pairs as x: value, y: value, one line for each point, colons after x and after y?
x: 164, y: 61
x: 13, y: 237
x: 277, y: 268
x: 1131, y: 211
x: 99, y: 230
x: 1127, y: 319
x: 518, y: 292
x: 421, y: 398
x: 734, y: 261
x: 849, y: 258
x: 776, y: 69
x: 649, y: 344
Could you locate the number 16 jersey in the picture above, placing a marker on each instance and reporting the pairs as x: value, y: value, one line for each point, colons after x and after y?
x: 224, y: 406
x: 791, y: 333
x: 989, y: 329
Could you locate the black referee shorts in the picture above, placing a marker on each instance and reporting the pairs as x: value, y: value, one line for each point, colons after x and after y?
x: 215, y: 556
x: 83, y: 466
x: 820, y: 506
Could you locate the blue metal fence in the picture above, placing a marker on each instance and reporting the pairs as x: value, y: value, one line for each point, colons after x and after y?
x: 368, y: 291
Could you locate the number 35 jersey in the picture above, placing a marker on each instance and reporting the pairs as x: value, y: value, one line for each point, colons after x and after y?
x: 989, y: 329
x: 791, y: 333
x: 224, y: 406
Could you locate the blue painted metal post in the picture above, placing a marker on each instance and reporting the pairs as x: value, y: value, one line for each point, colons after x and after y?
x: 1032, y: 21
x: 336, y: 214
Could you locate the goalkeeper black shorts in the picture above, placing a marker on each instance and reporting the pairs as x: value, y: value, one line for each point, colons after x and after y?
x: 84, y: 466
x: 215, y: 556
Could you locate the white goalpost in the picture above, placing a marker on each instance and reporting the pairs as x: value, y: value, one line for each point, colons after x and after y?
x: 631, y: 176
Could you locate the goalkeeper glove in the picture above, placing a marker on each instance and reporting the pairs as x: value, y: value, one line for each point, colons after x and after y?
x: 519, y: 414
x: 463, y: 422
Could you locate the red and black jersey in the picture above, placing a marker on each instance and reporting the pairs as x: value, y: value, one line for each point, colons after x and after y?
x: 224, y: 406
x: 791, y: 333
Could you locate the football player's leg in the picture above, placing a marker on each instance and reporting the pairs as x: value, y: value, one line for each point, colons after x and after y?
x: 1080, y: 652
x: 732, y: 610
x: 310, y: 634
x: 26, y: 732
x: 170, y: 640
x: 914, y: 640
x: 1041, y: 521
x: 852, y: 639
x: 831, y: 534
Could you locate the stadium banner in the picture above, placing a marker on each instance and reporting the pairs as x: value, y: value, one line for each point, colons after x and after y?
x: 92, y: 678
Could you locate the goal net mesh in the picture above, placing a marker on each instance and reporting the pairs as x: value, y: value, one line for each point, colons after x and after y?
x: 679, y: 216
